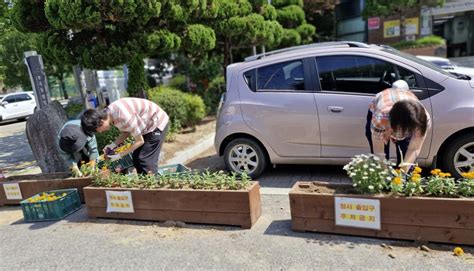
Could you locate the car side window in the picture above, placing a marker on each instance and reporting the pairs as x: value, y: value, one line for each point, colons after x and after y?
x: 22, y: 97
x: 354, y: 74
x: 10, y: 99
x: 281, y: 76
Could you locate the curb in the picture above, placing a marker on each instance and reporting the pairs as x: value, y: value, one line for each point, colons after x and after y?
x: 201, y: 146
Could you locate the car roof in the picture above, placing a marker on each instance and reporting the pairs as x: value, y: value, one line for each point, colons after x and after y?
x: 433, y: 58
x: 320, y: 45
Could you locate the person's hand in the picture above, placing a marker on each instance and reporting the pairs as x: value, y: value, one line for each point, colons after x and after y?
x: 111, y: 146
x: 114, y: 157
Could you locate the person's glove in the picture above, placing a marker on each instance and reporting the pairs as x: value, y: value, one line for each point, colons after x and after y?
x: 114, y: 157
x: 77, y: 171
x: 111, y: 146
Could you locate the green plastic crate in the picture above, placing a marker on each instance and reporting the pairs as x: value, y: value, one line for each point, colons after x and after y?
x: 173, y: 169
x: 124, y: 163
x: 52, y: 210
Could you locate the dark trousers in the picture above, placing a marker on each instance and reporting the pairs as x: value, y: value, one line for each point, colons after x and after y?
x: 145, y: 158
x: 401, y: 144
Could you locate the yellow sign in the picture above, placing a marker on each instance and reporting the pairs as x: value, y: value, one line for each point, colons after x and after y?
x: 356, y: 212
x: 391, y: 29
x: 12, y: 191
x: 119, y: 202
x: 411, y: 26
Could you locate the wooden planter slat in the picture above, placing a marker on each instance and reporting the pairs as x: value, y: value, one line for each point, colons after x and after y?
x: 449, y: 220
x: 30, y: 187
x: 408, y: 232
x: 399, y: 210
x: 195, y: 206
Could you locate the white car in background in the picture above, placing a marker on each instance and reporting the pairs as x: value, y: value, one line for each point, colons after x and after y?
x: 449, y: 66
x: 17, y: 105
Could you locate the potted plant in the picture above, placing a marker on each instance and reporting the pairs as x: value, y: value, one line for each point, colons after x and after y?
x: 209, y: 198
x: 388, y: 203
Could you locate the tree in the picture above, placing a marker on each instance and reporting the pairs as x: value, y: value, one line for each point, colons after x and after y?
x: 12, y: 69
x: 291, y: 16
x: 105, y: 34
x: 322, y: 14
x: 396, y: 7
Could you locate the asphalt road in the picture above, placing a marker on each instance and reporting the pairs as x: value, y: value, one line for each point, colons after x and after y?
x: 78, y: 243
x: 15, y: 152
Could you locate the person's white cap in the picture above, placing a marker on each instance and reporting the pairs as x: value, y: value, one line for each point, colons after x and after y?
x: 400, y: 85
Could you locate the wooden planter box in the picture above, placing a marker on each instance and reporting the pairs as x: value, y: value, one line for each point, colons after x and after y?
x: 241, y: 207
x: 34, y: 184
x: 447, y: 220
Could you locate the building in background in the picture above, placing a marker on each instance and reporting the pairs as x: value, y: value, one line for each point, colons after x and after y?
x: 454, y: 21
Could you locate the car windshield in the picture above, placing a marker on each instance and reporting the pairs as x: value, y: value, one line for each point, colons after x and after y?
x: 419, y: 61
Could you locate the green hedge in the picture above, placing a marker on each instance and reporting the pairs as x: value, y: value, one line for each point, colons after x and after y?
x: 213, y: 94
x: 423, y: 42
x: 105, y: 138
x: 73, y: 110
x: 183, y: 109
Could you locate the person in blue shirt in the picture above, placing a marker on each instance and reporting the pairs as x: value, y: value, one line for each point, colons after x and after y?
x: 76, y: 146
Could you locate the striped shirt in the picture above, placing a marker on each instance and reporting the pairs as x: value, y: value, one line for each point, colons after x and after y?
x: 137, y: 116
x: 380, y: 108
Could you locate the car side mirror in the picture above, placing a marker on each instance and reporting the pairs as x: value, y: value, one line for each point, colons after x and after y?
x: 3, y: 104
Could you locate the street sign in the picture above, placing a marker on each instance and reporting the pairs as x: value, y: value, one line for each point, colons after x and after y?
x: 39, y: 82
x: 357, y: 212
x: 373, y: 23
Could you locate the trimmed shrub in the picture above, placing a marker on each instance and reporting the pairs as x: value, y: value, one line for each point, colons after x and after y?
x: 213, y: 94
x: 178, y: 82
x: 74, y: 110
x: 105, y: 138
x: 423, y: 42
x: 195, y: 109
x: 183, y: 109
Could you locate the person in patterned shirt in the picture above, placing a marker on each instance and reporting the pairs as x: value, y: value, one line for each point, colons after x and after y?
x: 142, y: 119
x: 397, y: 115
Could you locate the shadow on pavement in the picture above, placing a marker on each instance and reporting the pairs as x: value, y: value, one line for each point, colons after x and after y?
x: 15, y: 152
x: 283, y: 228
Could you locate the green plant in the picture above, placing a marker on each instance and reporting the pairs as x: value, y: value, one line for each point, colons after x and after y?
x: 106, y: 137
x: 73, y: 110
x: 422, y: 42
x: 466, y: 185
x: 179, y: 82
x: 192, y: 180
x: 369, y: 173
x: 213, y: 94
x: 195, y: 109
x: 440, y: 184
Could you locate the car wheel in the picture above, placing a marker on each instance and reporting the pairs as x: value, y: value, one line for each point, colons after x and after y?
x: 459, y: 156
x: 245, y: 155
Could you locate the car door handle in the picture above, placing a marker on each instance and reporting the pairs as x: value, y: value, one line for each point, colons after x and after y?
x: 335, y: 109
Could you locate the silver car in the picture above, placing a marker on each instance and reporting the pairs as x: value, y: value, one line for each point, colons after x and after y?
x: 308, y: 105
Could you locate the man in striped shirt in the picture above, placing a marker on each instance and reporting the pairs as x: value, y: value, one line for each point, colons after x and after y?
x: 397, y: 115
x: 142, y: 119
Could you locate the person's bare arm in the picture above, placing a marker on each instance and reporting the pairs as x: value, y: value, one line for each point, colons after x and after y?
x: 413, y: 151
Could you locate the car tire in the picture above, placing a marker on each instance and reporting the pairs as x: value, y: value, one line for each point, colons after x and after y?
x: 459, y: 155
x: 245, y: 155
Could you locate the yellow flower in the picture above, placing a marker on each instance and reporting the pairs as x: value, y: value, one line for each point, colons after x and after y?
x: 468, y: 175
x: 435, y: 171
x: 415, y: 177
x: 397, y: 180
x: 417, y: 170
x: 458, y: 251
x: 447, y: 174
